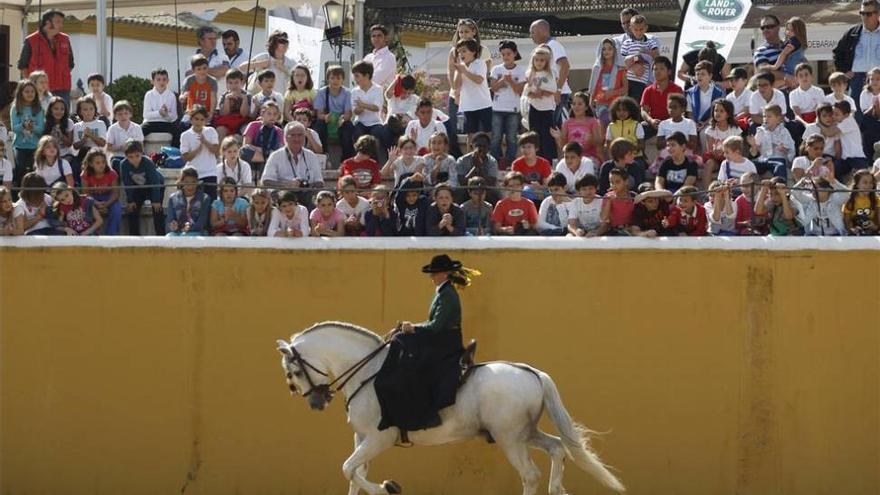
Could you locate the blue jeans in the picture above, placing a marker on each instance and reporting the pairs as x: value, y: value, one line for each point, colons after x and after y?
x: 451, y: 125
x: 540, y: 122
x: 844, y: 167
x: 505, y: 126
x: 561, y: 110
x: 64, y: 95
x: 346, y: 139
x: 24, y: 163
x: 113, y: 219
x: 636, y: 88
x: 378, y: 131
x: 779, y: 167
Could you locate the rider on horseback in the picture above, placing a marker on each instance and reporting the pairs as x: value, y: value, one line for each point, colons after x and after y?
x: 421, y: 373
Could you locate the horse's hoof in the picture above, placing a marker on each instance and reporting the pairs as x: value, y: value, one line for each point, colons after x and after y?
x: 392, y: 487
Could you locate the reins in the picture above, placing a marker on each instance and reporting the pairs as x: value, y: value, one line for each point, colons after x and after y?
x: 327, y: 390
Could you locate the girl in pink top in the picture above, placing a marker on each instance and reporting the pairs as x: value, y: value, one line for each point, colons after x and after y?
x: 326, y: 219
x: 582, y: 127
x: 617, y: 210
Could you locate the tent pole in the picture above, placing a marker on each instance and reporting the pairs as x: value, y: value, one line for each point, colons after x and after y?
x: 177, y: 45
x: 112, y: 37
x: 358, y: 29
x: 247, y: 73
x: 101, y: 35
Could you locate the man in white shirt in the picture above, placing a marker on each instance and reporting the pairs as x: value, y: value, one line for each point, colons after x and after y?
x: 540, y: 34
x: 384, y: 62
x: 294, y: 166
x: 234, y: 52
x: 218, y: 62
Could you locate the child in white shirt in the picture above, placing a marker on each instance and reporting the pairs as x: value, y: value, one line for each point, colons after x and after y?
x: 122, y: 130
x: 367, y: 100
x: 421, y: 128
x: 553, y: 213
x: 200, y: 146
x: 839, y: 83
x: 806, y: 98
x: 585, y: 211
x: 160, y: 109
x: 735, y: 165
x: 852, y: 155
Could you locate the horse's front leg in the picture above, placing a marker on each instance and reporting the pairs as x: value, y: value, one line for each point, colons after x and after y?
x: 368, y: 448
x: 353, y: 488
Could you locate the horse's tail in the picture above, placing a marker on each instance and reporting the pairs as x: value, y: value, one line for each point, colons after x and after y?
x: 575, y: 437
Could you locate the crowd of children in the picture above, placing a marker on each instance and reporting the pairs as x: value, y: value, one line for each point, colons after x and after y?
x: 739, y: 158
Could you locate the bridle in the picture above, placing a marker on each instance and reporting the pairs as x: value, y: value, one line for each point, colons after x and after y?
x: 326, y: 390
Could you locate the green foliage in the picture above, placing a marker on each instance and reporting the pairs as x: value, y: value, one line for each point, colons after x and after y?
x: 133, y: 89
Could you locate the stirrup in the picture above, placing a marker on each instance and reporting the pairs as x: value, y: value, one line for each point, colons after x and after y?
x: 468, y: 357
x: 403, y: 441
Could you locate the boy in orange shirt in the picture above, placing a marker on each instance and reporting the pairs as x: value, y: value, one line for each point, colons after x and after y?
x: 199, y: 88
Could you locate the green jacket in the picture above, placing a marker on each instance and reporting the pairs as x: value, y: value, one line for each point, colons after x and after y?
x: 445, y: 313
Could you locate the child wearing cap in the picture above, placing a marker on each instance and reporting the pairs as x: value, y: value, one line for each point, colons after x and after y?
x: 506, y: 80
x: 747, y: 221
x: 740, y: 96
x: 650, y: 211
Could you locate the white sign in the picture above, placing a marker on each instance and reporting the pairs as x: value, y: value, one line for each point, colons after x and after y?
x: 305, y: 42
x: 718, y: 21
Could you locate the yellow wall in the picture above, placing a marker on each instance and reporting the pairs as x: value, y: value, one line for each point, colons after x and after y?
x: 144, y: 371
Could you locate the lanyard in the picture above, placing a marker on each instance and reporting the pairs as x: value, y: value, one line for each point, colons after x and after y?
x: 302, y: 156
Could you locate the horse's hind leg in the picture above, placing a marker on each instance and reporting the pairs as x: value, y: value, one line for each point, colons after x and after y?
x: 518, y: 455
x: 553, y: 446
x: 369, y: 448
x: 353, y: 488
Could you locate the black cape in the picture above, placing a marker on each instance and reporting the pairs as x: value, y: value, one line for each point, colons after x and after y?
x: 421, y: 373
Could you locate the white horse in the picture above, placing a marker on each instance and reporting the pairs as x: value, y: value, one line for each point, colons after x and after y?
x: 501, y: 401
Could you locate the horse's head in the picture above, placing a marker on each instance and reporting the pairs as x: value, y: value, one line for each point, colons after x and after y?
x: 303, y: 378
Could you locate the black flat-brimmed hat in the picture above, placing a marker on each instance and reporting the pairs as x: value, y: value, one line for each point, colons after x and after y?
x: 441, y: 263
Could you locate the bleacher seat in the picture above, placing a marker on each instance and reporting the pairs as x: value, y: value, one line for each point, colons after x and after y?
x: 155, y: 141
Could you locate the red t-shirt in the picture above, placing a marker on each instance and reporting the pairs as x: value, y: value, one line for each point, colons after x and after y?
x: 656, y: 99
x: 508, y: 212
x: 365, y: 172
x: 99, y: 185
x: 540, y: 171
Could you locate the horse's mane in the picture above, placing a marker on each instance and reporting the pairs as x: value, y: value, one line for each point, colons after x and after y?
x: 341, y: 324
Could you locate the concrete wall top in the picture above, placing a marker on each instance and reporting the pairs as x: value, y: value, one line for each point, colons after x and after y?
x: 459, y: 243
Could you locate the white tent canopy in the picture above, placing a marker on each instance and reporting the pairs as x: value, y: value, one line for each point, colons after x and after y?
x: 81, y: 9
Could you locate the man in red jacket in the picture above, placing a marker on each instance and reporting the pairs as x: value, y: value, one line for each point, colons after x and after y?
x: 49, y: 50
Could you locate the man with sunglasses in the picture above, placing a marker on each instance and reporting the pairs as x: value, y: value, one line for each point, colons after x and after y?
x: 767, y: 54
x: 859, y: 49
